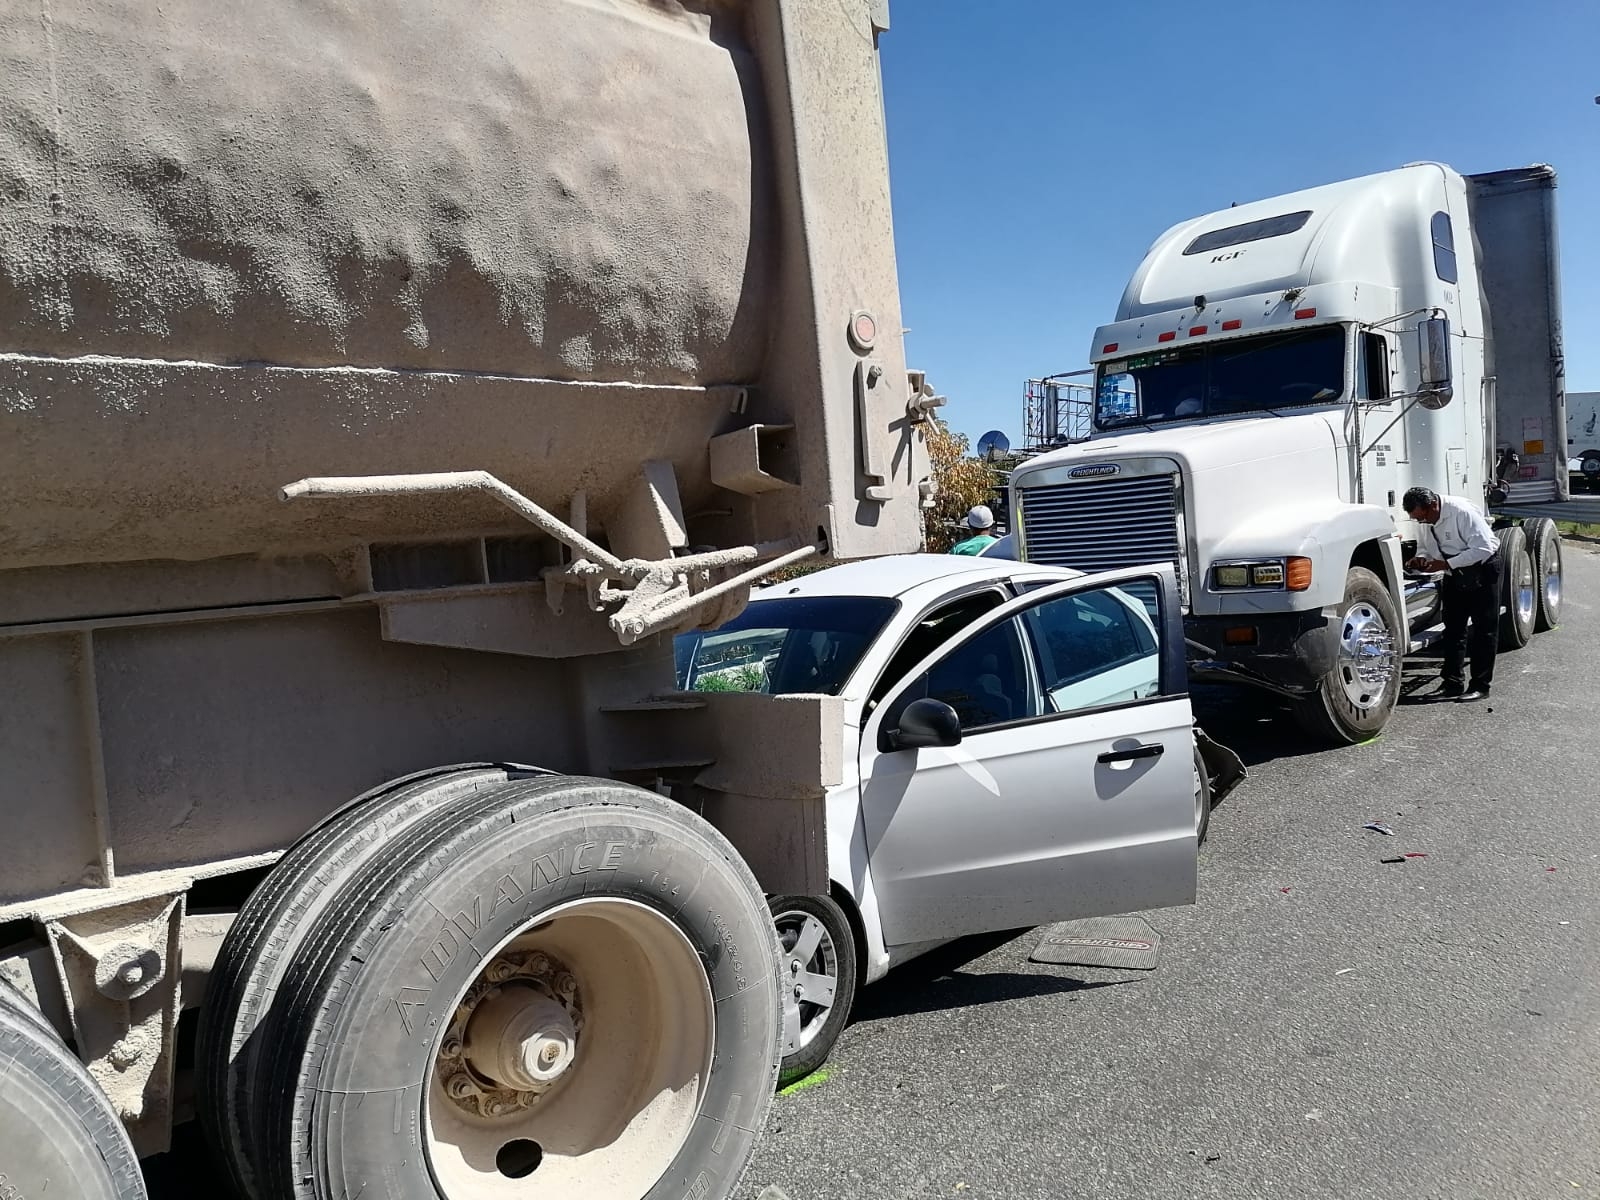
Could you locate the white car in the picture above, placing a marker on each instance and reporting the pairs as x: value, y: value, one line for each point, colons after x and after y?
x: 1019, y: 750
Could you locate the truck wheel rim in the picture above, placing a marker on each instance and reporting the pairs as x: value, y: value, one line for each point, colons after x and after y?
x: 811, y: 969
x: 1552, y: 579
x: 1525, y: 589
x: 575, y: 1063
x: 1366, y: 656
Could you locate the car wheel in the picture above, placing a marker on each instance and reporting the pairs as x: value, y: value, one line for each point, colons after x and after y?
x: 818, y: 950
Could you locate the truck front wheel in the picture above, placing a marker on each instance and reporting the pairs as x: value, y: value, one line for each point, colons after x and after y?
x: 1355, y: 696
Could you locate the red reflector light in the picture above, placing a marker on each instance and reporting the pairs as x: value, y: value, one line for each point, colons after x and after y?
x: 1240, y: 635
x: 1233, y: 324
x: 1195, y: 329
x: 1168, y: 335
x: 1109, y: 348
x: 1300, y: 314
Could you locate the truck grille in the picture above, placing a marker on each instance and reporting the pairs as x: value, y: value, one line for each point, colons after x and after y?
x: 1103, y: 525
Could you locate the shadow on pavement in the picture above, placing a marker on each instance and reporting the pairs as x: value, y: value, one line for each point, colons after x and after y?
x: 936, y: 982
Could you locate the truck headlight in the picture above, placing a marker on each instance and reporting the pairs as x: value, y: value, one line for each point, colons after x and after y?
x: 1267, y: 575
x: 1231, y: 577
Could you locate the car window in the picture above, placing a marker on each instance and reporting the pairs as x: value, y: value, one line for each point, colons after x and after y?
x: 986, y: 680
x: 784, y: 646
x: 938, y: 627
x: 1094, y: 648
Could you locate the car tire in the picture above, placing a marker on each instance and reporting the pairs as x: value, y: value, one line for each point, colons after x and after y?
x: 237, y: 1019
x: 1202, y: 799
x: 1356, y: 695
x: 1519, y: 596
x: 614, y: 929
x: 820, y: 971
x: 1545, y: 541
x: 59, y: 1134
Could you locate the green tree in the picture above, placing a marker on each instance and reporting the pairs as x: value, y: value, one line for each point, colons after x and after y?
x: 963, y: 482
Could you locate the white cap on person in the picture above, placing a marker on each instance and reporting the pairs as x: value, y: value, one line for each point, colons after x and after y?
x: 979, y: 517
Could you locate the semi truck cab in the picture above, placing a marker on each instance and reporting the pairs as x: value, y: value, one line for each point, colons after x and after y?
x: 1278, y: 374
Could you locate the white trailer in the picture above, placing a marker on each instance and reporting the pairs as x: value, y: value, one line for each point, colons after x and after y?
x: 1583, y: 439
x: 1279, y: 373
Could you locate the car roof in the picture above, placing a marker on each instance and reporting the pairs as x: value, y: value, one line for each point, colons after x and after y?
x: 897, y: 575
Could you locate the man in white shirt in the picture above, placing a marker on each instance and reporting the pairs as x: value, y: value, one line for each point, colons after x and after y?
x: 1469, y: 556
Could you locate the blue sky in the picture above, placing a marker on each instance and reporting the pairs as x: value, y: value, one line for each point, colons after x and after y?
x: 1038, y: 147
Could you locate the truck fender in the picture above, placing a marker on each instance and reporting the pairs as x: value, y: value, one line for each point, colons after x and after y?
x: 1329, y: 534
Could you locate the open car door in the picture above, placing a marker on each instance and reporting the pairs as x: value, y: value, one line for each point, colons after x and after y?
x: 1038, y: 767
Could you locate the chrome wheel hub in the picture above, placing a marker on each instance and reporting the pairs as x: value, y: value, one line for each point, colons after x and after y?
x: 1366, y: 659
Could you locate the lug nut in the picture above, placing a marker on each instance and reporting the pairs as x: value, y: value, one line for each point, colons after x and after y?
x: 501, y: 971
x: 459, y: 1087
x: 451, y: 1048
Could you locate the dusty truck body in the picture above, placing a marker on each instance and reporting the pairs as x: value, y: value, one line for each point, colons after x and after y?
x: 380, y: 389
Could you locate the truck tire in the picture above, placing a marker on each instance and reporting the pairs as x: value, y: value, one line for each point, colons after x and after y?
x: 563, y: 978
x: 236, y: 1018
x: 1519, y: 595
x: 818, y: 949
x: 15, y: 1001
x: 1202, y: 798
x: 1545, y: 541
x: 1355, y: 696
x: 1590, y: 466
x: 59, y: 1135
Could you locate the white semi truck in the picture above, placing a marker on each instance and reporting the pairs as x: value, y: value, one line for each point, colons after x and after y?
x: 1278, y: 374
x: 1583, y: 439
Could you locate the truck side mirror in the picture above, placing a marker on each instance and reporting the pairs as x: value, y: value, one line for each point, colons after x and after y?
x: 926, y: 722
x: 1433, y: 338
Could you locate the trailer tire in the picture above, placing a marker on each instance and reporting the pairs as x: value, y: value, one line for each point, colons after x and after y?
x: 586, y: 926
x: 819, y: 921
x: 1355, y: 696
x: 236, y: 1018
x: 15, y: 1001
x: 1545, y: 542
x: 1519, y: 594
x: 1589, y: 465
x: 59, y: 1134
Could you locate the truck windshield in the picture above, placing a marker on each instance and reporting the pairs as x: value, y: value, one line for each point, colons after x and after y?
x: 1254, y: 374
x: 784, y: 646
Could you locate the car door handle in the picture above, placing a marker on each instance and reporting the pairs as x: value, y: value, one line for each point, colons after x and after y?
x: 1153, y: 750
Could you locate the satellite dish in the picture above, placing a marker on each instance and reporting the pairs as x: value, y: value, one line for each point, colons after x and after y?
x: 993, y: 446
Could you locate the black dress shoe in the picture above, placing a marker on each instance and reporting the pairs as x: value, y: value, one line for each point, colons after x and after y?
x: 1474, y: 694
x: 1451, y: 691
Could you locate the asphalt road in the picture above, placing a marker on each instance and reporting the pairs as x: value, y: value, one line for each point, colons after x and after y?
x: 1320, y: 1024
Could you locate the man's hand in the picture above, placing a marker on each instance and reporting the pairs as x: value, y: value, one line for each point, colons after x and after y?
x: 1429, y: 565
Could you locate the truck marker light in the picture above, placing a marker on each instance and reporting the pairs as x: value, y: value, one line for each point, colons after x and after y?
x: 1301, y: 314
x: 1233, y: 324
x: 1195, y: 329
x: 1168, y: 335
x: 1240, y: 635
x: 1109, y: 348
x: 1299, y: 575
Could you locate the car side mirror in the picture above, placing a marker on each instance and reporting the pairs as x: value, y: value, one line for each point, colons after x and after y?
x: 1433, y: 338
x: 926, y: 722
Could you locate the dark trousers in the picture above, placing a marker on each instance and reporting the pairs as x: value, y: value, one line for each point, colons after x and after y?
x: 1472, y: 594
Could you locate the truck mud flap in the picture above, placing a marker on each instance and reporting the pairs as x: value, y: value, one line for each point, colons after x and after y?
x: 1224, y: 766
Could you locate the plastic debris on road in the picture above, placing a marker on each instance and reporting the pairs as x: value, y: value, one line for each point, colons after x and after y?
x: 1379, y: 827
x: 1415, y: 854
x: 1397, y: 859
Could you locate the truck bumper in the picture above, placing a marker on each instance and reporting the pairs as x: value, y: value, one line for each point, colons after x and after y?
x: 1290, y: 653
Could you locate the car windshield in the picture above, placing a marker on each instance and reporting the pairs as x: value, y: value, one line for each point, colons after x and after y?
x: 784, y: 646
x: 1255, y: 374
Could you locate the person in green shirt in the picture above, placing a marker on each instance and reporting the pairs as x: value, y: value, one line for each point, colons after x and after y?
x: 981, y: 521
